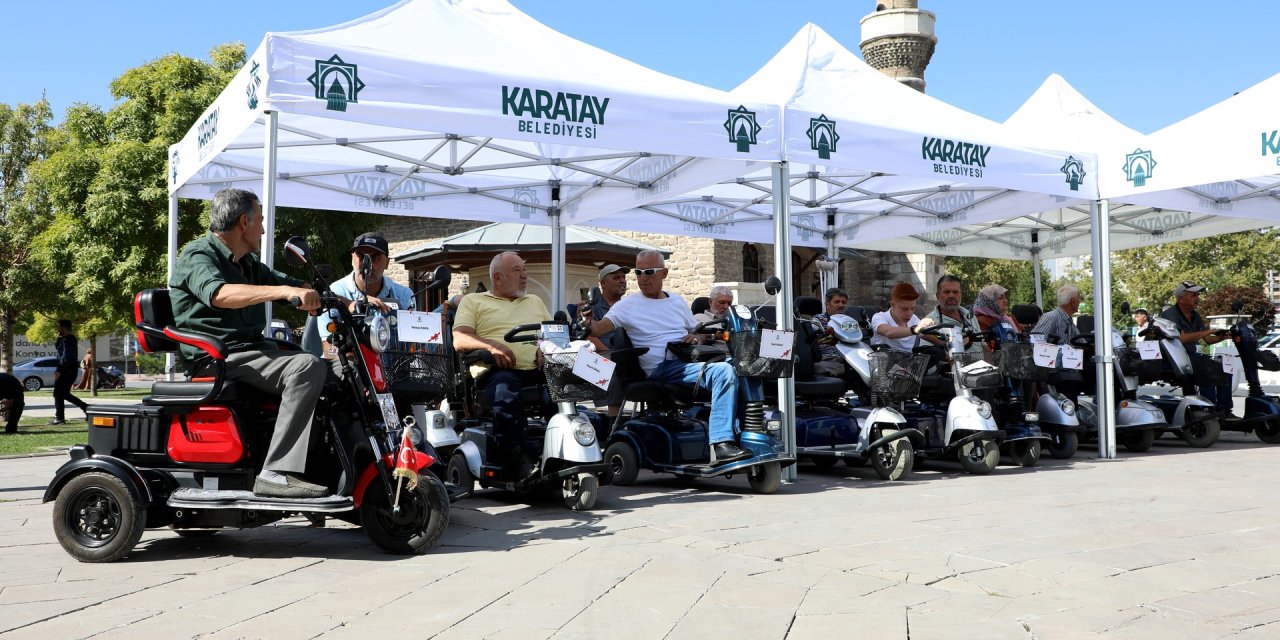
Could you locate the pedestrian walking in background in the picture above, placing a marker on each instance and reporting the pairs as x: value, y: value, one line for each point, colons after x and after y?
x: 65, y: 376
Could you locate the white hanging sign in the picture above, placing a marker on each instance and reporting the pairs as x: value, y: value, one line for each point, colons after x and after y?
x: 1228, y: 364
x: 1072, y: 358
x: 593, y: 368
x: 1045, y: 355
x: 1149, y: 350
x: 775, y: 344
x: 419, y: 326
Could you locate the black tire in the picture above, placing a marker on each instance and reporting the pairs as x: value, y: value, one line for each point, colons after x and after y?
x: 1026, y: 453
x: 824, y: 462
x: 1139, y: 441
x: 423, y: 517
x: 459, y: 474
x: 195, y: 533
x: 894, y: 460
x: 1201, y: 434
x: 624, y: 463
x: 580, y: 491
x: 96, y: 519
x: 33, y: 383
x: 972, y: 462
x: 765, y: 478
x: 1063, y: 446
x: 1268, y: 432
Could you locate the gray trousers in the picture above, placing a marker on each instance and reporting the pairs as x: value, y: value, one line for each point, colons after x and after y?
x: 298, y: 378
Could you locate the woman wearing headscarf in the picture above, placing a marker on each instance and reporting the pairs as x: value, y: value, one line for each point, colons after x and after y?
x: 992, y: 311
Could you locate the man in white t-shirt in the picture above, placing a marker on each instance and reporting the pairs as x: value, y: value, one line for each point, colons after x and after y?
x: 652, y: 318
x: 898, y: 326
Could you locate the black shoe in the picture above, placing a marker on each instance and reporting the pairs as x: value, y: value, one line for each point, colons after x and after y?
x: 293, y: 487
x: 729, y: 452
x: 57, y: 421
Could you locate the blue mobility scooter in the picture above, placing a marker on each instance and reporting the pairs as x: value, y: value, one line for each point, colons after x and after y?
x: 831, y: 426
x: 667, y: 431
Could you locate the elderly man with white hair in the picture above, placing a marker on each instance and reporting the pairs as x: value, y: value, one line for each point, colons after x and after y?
x: 654, y: 318
x: 1057, y: 328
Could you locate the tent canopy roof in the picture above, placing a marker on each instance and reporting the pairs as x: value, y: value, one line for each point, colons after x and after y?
x: 479, y: 245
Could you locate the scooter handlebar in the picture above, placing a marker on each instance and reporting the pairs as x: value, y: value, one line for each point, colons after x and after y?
x: 513, y: 335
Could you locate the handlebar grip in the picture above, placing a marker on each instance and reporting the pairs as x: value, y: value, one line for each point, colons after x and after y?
x: 512, y: 335
x: 295, y: 301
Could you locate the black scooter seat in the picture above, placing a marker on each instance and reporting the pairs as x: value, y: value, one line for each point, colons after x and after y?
x: 218, y: 499
x: 166, y: 393
x: 820, y: 387
x: 662, y: 394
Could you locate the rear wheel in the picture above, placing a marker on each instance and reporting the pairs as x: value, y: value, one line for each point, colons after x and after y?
x: 417, y: 526
x: 979, y: 458
x: 1025, y: 452
x: 459, y: 474
x: 579, y: 492
x: 96, y: 519
x: 893, y: 460
x: 623, y: 462
x: 1139, y: 441
x: 1268, y: 432
x: 765, y: 478
x: 1063, y: 445
x: 1201, y: 434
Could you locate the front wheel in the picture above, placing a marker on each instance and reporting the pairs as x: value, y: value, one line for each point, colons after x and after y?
x: 417, y: 526
x: 893, y: 460
x: 979, y: 458
x: 623, y: 462
x: 1140, y: 441
x: 1268, y: 432
x: 1063, y: 445
x: 579, y: 492
x: 459, y: 474
x: 1201, y: 434
x: 96, y: 519
x: 1025, y: 452
x: 765, y: 478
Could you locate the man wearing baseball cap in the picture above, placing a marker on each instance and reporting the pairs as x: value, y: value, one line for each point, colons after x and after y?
x: 382, y: 292
x: 1193, y: 329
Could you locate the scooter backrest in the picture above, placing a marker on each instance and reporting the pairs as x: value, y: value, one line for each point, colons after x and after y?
x: 1027, y: 315
x: 152, y: 307
x: 808, y: 306
x: 1085, y: 324
x: 699, y: 305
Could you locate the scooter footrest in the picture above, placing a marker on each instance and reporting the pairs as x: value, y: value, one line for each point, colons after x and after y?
x: 188, y: 498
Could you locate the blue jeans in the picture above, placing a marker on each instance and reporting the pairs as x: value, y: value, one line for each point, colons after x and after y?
x: 717, y: 377
x: 1219, y: 396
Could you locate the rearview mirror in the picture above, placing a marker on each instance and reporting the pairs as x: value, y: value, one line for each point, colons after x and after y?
x: 440, y: 278
x: 1237, y: 306
x: 296, y: 251
x: 1124, y: 307
x: 773, y: 285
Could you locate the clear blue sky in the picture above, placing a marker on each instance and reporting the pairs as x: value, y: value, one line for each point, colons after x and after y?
x: 1148, y: 64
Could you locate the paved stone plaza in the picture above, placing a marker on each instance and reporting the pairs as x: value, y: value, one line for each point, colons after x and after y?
x: 1176, y: 543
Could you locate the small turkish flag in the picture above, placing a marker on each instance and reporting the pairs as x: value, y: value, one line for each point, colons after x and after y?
x: 407, y: 462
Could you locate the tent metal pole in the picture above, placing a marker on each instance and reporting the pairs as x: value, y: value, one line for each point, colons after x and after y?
x: 557, y: 261
x: 1035, y: 268
x: 1105, y: 394
x: 268, y: 251
x: 172, y: 264
x: 786, y: 320
x: 833, y: 252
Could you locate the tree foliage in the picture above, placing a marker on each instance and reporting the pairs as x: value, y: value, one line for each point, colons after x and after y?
x: 24, y: 139
x: 1018, y: 276
x: 1256, y: 304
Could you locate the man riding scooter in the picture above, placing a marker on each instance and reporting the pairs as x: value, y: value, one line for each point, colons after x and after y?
x: 1183, y: 314
x: 482, y: 321
x: 656, y: 317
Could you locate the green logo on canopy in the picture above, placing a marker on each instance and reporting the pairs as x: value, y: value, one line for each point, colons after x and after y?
x: 1074, y: 170
x: 254, y: 83
x: 1138, y: 166
x: 822, y: 136
x: 337, y: 82
x: 742, y: 128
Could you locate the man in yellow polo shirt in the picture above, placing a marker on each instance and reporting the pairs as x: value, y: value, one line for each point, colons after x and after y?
x: 482, y: 321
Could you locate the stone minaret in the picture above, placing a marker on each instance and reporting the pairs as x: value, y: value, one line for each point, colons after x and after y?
x: 898, y: 40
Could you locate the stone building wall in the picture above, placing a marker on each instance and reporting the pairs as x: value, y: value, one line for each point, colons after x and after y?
x: 404, y: 233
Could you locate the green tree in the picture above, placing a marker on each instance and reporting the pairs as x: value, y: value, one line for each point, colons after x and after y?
x: 1018, y: 276
x: 24, y: 139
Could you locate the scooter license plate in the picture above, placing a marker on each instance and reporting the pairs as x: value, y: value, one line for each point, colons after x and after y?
x: 388, y: 406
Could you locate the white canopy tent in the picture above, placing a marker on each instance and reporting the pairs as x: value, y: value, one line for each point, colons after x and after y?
x: 881, y: 161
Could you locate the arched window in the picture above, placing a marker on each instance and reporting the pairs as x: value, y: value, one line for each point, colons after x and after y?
x: 750, y: 263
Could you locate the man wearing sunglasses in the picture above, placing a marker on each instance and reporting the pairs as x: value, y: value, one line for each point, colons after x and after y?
x: 656, y: 317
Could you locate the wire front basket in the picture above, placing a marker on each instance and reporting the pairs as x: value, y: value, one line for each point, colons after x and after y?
x: 896, y: 375
x: 413, y: 369
x: 562, y: 384
x: 1132, y: 364
x: 982, y: 378
x: 744, y: 346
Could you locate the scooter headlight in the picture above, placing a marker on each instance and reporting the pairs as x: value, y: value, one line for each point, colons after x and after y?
x: 585, y: 434
x: 984, y: 408
x: 1068, y: 407
x: 1031, y: 416
x: 416, y: 437
x: 379, y: 332
x: 773, y: 426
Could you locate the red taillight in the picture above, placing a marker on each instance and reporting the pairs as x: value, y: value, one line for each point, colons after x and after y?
x: 374, y: 363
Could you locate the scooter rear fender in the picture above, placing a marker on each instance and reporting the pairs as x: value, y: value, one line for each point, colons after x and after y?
x: 1191, y: 410
x: 370, y: 473
x: 560, y: 443
x: 1016, y: 431
x: 914, y: 435
x: 472, y: 455
x: 84, y: 460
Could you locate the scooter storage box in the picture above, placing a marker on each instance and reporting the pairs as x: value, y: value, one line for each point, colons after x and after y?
x: 206, y: 435
x: 117, y: 429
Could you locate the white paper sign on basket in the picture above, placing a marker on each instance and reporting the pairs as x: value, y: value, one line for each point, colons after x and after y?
x: 1072, y: 358
x: 1045, y: 354
x: 1149, y: 350
x: 419, y: 326
x: 1229, y: 364
x: 1036, y: 338
x: 776, y: 344
x: 593, y: 368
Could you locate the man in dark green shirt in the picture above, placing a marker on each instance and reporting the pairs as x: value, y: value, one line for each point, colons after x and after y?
x: 219, y: 288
